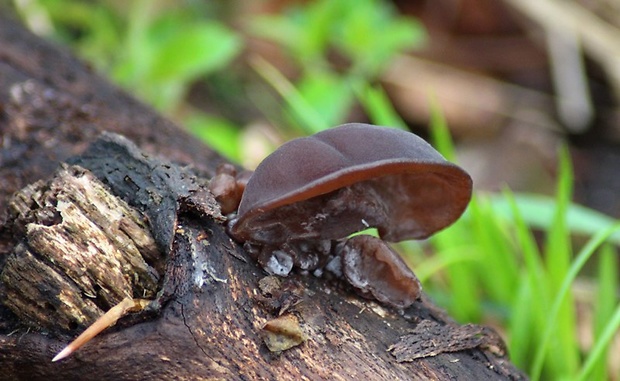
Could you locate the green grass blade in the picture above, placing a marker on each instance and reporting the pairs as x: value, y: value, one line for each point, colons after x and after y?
x: 454, y: 256
x: 527, y: 315
x: 499, y: 270
x: 378, y: 106
x: 601, y: 345
x: 440, y: 133
x: 538, y: 212
x: 529, y: 248
x: 327, y: 91
x: 311, y: 118
x: 522, y: 326
x: 465, y: 296
x: 564, y: 358
x: 603, y: 308
x: 464, y: 284
x: 583, y: 256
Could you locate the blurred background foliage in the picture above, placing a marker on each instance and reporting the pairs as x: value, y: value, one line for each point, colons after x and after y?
x: 528, y: 89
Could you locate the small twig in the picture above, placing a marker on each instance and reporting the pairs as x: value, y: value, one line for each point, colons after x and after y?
x: 600, y: 39
x: 573, y: 99
x: 108, y: 319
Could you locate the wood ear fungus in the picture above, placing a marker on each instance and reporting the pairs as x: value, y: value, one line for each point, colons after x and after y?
x: 376, y: 271
x: 227, y: 187
x: 316, y: 190
x: 347, y: 179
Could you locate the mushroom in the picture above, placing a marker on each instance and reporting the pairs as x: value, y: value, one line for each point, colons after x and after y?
x: 347, y: 179
x: 375, y: 270
x: 227, y: 186
x: 314, y: 190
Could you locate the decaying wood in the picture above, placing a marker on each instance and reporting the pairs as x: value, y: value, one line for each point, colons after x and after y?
x: 430, y: 338
x: 81, y: 251
x: 211, y: 303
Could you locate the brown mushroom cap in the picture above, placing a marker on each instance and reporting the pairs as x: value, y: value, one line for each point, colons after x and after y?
x: 343, y: 180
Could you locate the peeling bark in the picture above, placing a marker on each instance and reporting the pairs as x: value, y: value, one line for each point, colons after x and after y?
x: 120, y: 206
x: 81, y: 251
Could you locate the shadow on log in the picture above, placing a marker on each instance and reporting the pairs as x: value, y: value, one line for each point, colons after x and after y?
x: 90, y: 226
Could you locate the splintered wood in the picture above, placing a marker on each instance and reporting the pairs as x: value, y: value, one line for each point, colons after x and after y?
x: 81, y: 251
x: 430, y: 338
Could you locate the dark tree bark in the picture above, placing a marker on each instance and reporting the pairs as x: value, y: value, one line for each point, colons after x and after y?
x: 92, y: 224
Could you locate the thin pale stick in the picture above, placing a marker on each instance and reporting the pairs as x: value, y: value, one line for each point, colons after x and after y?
x: 108, y: 319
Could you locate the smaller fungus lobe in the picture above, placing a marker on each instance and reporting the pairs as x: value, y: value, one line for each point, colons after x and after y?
x: 374, y: 269
x: 227, y: 187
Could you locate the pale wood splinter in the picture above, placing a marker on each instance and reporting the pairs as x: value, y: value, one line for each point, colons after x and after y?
x: 108, y: 319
